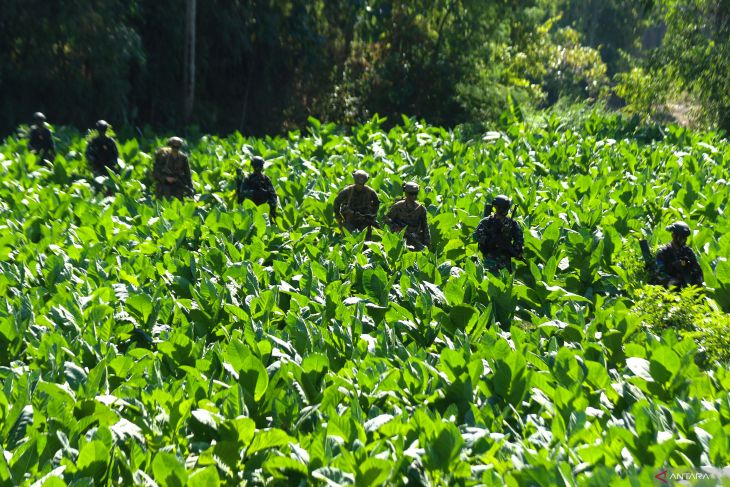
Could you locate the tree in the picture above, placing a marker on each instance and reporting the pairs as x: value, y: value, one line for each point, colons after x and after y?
x: 697, y: 49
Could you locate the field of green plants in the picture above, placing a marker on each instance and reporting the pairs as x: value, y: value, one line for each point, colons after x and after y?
x: 198, y: 343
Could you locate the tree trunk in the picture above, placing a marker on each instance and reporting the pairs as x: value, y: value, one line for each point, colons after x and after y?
x: 189, y: 77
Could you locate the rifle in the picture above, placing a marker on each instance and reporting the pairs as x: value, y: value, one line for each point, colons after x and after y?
x: 411, y: 235
x: 650, y: 264
x: 488, y: 207
x: 646, y: 254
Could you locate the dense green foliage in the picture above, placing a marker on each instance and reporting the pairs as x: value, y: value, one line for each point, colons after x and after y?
x: 196, y: 342
x: 264, y: 67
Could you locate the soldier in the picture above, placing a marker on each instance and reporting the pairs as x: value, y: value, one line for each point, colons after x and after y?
x: 101, y: 151
x: 40, y: 140
x: 499, y: 237
x: 411, y: 215
x: 357, y: 205
x: 171, y: 171
x: 257, y: 187
x: 676, y: 264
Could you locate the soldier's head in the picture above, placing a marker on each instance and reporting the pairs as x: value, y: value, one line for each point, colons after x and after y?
x: 102, y: 126
x: 38, y: 117
x: 502, y: 204
x: 257, y: 163
x: 680, y: 232
x: 360, y: 177
x: 410, y: 189
x: 175, y: 143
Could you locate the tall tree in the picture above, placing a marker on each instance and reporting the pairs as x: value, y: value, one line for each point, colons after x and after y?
x: 697, y: 49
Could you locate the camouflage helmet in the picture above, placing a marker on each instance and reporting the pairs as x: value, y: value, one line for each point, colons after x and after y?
x: 502, y: 202
x: 39, y: 117
x: 360, y: 176
x: 680, y: 228
x: 411, y: 187
x: 175, y: 142
x: 102, y: 125
x: 257, y: 161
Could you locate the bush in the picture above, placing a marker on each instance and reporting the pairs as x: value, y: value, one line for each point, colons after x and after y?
x: 690, y: 313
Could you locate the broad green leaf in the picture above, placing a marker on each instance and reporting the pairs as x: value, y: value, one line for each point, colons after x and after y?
x: 204, y: 477
x: 270, y: 438
x: 93, y: 460
x: 168, y: 470
x: 140, y: 305
x: 640, y: 367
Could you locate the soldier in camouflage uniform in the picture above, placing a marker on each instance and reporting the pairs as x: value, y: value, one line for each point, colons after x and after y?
x: 257, y: 187
x: 499, y: 237
x: 676, y: 264
x: 411, y: 215
x: 357, y: 205
x: 40, y: 140
x: 101, y: 151
x: 172, y: 171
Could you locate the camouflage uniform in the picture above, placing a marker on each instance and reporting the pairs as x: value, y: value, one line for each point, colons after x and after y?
x: 412, y: 216
x: 40, y: 140
x: 172, y: 164
x: 102, y: 152
x: 357, y: 207
x: 676, y: 264
x: 499, y: 240
x: 258, y: 188
x: 678, y: 267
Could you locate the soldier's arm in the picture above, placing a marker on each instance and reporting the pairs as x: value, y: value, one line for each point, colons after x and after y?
x: 338, y: 202
x: 479, y: 234
x: 187, y: 173
x: 662, y: 274
x: 51, y: 145
x: 374, y: 203
x: 91, y: 153
x: 157, y: 171
x: 115, y: 152
x: 518, y: 239
x: 272, y: 193
x: 697, y: 277
x: 424, y: 227
x: 245, y: 189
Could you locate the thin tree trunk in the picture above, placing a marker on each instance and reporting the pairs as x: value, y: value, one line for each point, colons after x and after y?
x: 189, y: 78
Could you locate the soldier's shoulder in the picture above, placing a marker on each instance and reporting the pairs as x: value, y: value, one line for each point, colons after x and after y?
x: 163, y: 151
x: 688, y: 250
x: 664, y: 249
x: 399, y: 204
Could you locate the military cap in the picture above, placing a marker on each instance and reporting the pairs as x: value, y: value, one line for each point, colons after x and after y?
x: 257, y: 161
x: 502, y: 202
x: 102, y: 125
x: 39, y: 117
x: 360, y: 175
x: 175, y: 142
x: 679, y: 227
x: 411, y: 187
